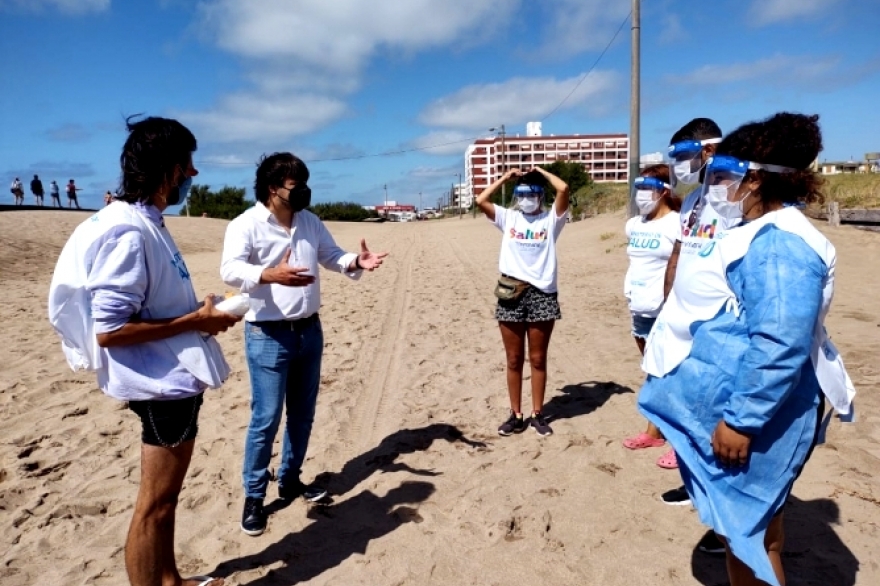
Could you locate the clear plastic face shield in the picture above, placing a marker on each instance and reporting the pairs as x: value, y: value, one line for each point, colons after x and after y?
x: 647, y: 192
x: 723, y: 185
x: 685, y: 160
x: 528, y: 197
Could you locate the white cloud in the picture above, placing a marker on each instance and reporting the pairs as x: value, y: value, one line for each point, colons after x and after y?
x: 246, y: 117
x: 579, y: 25
x: 671, y: 30
x: 442, y: 142
x: 342, y: 34
x: 70, y: 132
x: 517, y: 100
x: 65, y: 6
x: 775, y: 70
x: 764, y: 12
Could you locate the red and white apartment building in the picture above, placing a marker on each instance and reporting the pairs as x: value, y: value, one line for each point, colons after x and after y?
x: 604, y: 156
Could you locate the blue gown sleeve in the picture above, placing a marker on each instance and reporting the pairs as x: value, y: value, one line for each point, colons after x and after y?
x: 779, y: 288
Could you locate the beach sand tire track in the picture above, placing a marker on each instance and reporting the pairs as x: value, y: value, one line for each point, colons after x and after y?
x: 382, y: 364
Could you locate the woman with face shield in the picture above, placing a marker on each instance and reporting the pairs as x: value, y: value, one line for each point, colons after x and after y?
x: 651, y: 237
x: 738, y: 366
x: 527, y: 295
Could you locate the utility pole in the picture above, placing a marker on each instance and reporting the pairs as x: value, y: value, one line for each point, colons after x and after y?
x: 385, y: 187
x: 634, y: 103
x: 420, y: 202
x: 459, y: 197
x: 503, y: 164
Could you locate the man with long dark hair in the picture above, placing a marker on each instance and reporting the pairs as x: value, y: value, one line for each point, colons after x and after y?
x: 146, y: 336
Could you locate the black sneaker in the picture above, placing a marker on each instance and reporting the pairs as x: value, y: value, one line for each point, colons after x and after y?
x: 676, y: 497
x: 540, y: 425
x: 297, y: 488
x: 711, y: 544
x: 514, y: 424
x: 253, y: 519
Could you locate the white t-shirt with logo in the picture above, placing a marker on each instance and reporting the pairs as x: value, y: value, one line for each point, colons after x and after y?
x: 650, y: 246
x: 528, y: 246
x: 694, y: 235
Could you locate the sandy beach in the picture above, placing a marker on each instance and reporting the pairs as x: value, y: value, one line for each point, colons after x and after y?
x: 424, y: 490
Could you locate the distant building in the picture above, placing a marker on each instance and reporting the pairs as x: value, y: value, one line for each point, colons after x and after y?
x: 841, y: 167
x: 396, y: 208
x: 604, y: 156
x: 650, y: 159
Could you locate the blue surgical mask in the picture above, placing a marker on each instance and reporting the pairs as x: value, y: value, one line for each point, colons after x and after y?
x: 179, y: 194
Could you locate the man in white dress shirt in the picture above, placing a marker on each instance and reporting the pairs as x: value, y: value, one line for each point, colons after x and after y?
x: 272, y: 252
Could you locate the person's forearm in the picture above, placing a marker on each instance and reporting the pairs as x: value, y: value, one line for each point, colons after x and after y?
x: 242, y: 274
x: 138, y: 332
x: 671, y: 266
x: 487, y: 193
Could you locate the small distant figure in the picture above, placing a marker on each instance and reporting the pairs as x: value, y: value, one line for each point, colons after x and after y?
x: 18, y: 191
x: 54, y: 193
x: 108, y: 198
x: 71, y: 195
x: 37, y: 190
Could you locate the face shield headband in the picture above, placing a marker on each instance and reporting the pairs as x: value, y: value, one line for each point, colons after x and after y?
x: 685, y: 164
x: 724, y: 176
x: 646, y: 193
x: 528, y: 197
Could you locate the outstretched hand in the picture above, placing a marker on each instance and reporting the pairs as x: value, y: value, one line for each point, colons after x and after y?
x: 369, y: 261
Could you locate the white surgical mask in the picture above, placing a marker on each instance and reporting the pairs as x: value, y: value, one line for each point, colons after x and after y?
x: 683, y: 173
x: 730, y: 212
x: 645, y: 201
x: 529, y: 205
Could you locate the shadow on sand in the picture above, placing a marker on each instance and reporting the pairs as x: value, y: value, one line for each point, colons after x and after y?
x: 813, y: 555
x: 346, y: 528
x: 582, y: 399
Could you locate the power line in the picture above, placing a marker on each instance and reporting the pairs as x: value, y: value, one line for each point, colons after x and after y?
x: 592, y: 67
x: 349, y: 158
x: 443, y: 144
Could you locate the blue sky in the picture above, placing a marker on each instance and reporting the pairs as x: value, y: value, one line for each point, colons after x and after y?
x: 330, y: 79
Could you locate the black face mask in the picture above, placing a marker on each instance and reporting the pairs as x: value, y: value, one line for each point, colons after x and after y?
x: 299, y: 198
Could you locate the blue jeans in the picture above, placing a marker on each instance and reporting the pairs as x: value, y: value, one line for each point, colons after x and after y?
x: 285, y: 369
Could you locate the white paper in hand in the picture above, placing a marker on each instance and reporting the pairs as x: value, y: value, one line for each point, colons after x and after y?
x: 236, y: 305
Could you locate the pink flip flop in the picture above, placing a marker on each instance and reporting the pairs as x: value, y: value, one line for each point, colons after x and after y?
x: 643, y: 440
x: 668, y: 460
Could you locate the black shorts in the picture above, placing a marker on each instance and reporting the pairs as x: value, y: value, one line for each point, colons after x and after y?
x: 168, y: 423
x: 532, y: 306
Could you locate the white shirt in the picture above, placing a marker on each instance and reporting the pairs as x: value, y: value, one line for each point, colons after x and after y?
x: 122, y: 262
x: 528, y: 246
x: 255, y: 241
x: 650, y: 246
x: 707, y: 226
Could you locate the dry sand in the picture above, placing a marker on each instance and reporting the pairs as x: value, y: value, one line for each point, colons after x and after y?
x: 425, y: 492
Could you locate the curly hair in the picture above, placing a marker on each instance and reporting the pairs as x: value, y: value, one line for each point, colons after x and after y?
x: 790, y: 140
x: 273, y: 170
x: 661, y: 172
x: 155, y: 147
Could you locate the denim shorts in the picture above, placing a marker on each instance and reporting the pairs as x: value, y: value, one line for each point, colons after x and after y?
x: 168, y: 423
x: 642, y: 326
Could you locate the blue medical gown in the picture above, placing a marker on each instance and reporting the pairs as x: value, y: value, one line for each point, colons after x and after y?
x: 754, y: 371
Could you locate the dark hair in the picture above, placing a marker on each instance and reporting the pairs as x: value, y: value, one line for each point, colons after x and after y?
x: 661, y: 172
x: 533, y: 178
x: 786, y: 139
x: 155, y: 147
x: 273, y: 170
x: 697, y: 129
